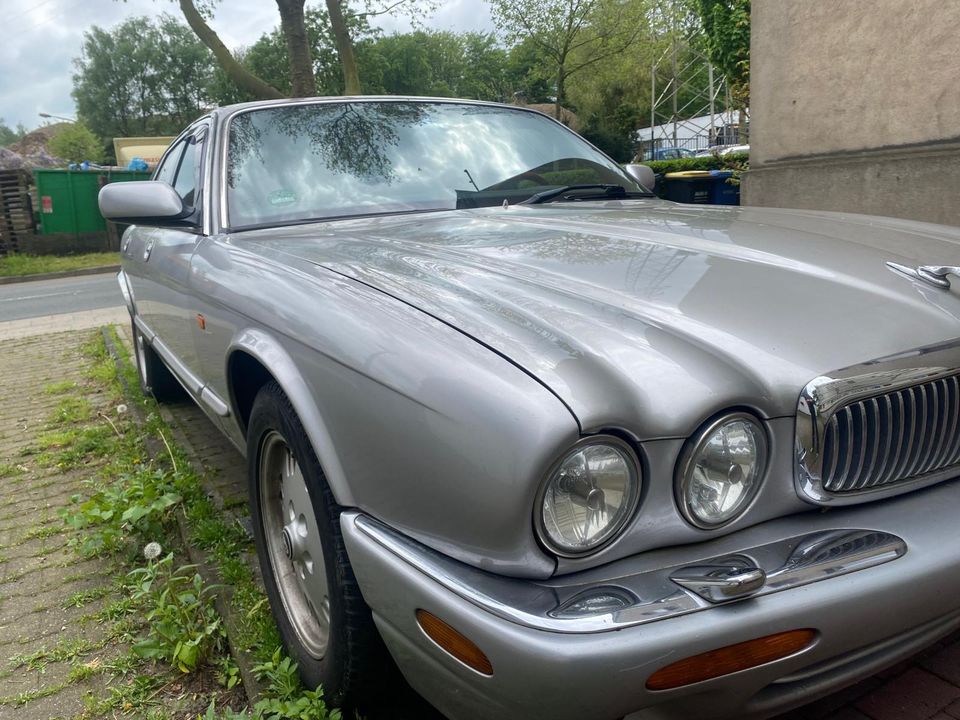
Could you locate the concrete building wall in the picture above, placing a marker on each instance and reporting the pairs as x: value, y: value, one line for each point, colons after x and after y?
x: 855, y: 107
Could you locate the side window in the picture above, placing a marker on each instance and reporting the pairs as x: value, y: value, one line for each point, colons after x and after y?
x: 168, y: 166
x: 186, y: 180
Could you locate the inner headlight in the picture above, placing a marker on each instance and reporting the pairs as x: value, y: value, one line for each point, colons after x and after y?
x: 720, y: 470
x: 589, y: 496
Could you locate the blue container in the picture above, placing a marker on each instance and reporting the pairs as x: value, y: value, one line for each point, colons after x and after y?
x: 721, y: 191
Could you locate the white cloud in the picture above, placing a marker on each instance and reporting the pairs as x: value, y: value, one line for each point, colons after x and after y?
x: 42, y: 37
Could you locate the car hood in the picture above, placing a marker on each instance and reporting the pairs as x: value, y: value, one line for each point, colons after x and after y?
x: 648, y: 315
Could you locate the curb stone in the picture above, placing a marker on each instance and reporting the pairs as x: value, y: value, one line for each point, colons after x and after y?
x: 11, y: 279
x: 222, y: 592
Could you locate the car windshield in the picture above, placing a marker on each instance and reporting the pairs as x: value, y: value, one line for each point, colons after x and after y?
x: 307, y: 162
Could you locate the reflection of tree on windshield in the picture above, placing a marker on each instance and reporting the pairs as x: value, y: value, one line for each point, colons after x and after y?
x: 351, y: 138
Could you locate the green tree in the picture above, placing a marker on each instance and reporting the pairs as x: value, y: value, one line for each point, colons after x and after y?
x: 726, y: 27
x: 76, y: 143
x: 572, y: 34
x: 142, y: 77
x: 436, y: 63
x: 8, y: 135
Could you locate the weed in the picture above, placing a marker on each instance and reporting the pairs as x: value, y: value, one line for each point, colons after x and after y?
x: 59, y: 388
x: 285, y: 698
x: 42, y: 531
x: 82, y: 597
x: 8, y: 470
x: 137, y: 503
x: 183, y: 626
x: 72, y: 409
x: 64, y: 650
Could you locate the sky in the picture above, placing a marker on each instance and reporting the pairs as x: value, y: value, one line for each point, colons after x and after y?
x: 40, y: 39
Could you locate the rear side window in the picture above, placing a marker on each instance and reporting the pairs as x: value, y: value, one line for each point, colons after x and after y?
x: 167, y: 169
x: 186, y: 181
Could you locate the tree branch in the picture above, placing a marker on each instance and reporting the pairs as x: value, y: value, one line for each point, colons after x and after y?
x: 242, y: 77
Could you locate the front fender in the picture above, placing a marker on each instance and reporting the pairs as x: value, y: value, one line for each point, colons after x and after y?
x: 267, y: 350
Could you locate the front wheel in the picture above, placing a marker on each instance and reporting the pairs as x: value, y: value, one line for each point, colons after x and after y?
x: 323, y: 621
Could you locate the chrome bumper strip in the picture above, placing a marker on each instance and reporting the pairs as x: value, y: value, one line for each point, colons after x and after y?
x: 642, y: 597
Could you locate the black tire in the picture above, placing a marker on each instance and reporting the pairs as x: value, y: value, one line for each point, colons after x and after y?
x: 155, y: 377
x: 354, y: 653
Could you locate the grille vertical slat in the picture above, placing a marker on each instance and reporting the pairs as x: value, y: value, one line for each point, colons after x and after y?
x: 894, y: 437
x: 953, y: 453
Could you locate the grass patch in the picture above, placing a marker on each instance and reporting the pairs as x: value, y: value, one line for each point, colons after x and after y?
x: 59, y: 388
x: 25, y: 265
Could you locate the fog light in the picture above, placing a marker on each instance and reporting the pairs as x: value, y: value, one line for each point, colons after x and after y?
x: 453, y: 642
x: 731, y: 659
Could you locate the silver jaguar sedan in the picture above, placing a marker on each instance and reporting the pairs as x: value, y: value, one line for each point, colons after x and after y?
x: 564, y: 449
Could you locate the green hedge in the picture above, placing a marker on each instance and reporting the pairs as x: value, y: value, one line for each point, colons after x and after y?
x: 733, y: 161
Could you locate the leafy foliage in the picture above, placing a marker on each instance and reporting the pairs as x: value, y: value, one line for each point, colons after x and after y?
x: 733, y: 161
x: 75, y: 143
x: 726, y: 25
x: 134, y: 504
x: 285, y: 699
x: 572, y: 34
x: 183, y: 626
x: 8, y: 135
x: 142, y: 77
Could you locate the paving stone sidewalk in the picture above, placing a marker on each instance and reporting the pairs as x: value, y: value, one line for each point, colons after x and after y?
x: 39, y: 574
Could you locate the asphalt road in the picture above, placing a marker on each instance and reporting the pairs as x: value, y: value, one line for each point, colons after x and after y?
x: 38, y: 298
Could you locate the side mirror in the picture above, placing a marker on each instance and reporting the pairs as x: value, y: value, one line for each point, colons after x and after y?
x: 642, y: 174
x: 141, y: 201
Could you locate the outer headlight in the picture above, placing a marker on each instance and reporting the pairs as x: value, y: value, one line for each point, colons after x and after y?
x: 588, y: 496
x: 720, y: 470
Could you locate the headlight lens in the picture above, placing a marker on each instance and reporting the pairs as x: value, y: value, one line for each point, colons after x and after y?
x: 720, y: 470
x: 589, y: 496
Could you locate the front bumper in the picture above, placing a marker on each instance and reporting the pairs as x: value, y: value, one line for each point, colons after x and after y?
x: 552, y: 659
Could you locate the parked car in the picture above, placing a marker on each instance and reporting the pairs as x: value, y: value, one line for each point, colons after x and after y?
x: 568, y: 450
x: 669, y: 153
x: 722, y: 150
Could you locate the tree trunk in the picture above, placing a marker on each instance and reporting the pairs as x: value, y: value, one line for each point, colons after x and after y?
x: 298, y: 48
x: 558, y: 107
x: 351, y: 78
x: 242, y: 78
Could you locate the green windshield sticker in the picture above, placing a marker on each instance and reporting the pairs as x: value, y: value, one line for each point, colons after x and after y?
x: 282, y: 197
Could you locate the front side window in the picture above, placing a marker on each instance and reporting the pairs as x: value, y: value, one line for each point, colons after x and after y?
x: 311, y: 162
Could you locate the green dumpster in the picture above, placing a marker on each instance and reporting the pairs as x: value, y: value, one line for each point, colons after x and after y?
x: 68, y: 198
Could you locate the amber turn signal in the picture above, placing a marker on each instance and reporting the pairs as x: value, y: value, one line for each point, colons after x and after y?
x: 731, y: 659
x: 455, y: 643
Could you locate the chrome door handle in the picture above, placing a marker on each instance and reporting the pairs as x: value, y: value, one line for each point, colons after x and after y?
x: 721, y: 582
x: 147, y: 249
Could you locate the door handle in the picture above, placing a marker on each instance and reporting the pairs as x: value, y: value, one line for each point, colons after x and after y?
x: 147, y: 249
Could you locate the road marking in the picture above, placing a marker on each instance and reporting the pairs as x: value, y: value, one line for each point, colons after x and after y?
x: 35, y: 297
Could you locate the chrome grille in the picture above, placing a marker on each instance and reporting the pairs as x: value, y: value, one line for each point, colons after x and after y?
x: 889, y: 438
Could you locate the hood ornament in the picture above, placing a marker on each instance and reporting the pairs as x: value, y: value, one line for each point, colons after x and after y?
x: 935, y: 275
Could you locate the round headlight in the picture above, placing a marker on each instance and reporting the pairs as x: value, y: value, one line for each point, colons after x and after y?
x: 720, y: 470
x: 588, y: 496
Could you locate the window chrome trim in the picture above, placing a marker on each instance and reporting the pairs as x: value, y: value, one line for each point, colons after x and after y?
x: 823, y: 396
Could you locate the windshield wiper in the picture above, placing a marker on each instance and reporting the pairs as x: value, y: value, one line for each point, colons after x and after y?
x: 607, y: 191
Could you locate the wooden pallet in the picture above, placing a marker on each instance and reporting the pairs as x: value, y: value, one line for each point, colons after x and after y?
x: 16, y: 209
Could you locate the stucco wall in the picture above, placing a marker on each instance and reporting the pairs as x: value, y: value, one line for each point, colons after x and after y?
x: 856, y: 106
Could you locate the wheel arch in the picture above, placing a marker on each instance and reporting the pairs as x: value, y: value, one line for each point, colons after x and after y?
x: 256, y: 357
